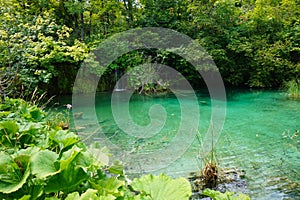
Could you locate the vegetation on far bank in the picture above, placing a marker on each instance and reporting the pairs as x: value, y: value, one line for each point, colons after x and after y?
x: 43, y: 43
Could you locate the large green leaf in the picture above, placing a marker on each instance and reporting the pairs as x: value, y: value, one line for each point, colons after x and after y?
x: 77, y: 157
x: 216, y: 195
x: 108, y: 197
x: 71, y: 175
x: 84, y: 160
x: 10, y: 127
x: 109, y: 186
x: 90, y: 194
x: 42, y: 163
x: 8, y: 130
x: 64, y: 138
x: 13, y: 172
x: 68, y: 157
x: 30, y: 126
x: 72, y: 196
x: 163, y: 187
x: 36, y: 113
x: 66, y: 181
x: 4, y: 113
x: 29, y: 151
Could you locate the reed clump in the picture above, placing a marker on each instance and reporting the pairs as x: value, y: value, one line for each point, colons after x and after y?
x: 293, y: 88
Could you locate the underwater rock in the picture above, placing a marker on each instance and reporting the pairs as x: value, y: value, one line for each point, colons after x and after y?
x: 203, y: 102
x: 78, y: 115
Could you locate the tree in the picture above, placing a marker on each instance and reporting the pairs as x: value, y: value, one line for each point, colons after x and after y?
x: 34, y: 47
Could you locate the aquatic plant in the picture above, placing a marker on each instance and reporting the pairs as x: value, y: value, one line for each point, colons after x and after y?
x: 216, y: 195
x: 293, y: 139
x: 162, y: 187
x: 209, y: 169
x: 293, y: 88
x: 205, y: 182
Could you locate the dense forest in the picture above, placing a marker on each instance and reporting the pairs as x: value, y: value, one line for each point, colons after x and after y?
x: 254, y: 43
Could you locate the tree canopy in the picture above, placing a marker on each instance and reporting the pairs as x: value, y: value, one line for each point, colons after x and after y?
x: 254, y: 43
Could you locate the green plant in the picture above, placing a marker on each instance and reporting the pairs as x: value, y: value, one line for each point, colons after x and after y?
x: 60, y: 118
x: 146, y: 80
x: 162, y: 187
x: 216, y: 195
x: 293, y: 88
x: 209, y: 165
x: 35, y: 50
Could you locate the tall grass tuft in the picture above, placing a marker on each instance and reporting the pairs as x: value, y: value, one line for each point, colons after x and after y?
x: 293, y: 88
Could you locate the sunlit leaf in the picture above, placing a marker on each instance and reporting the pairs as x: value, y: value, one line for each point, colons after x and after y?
x: 108, y: 186
x: 25, y: 197
x: 64, y: 138
x: 66, y: 181
x: 9, y: 127
x: 42, y: 164
x: 216, y: 195
x: 89, y: 194
x: 163, y: 187
x: 68, y: 157
x: 72, y: 196
x: 116, y: 168
x: 12, y: 178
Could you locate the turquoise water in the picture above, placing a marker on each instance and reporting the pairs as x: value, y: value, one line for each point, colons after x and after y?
x: 253, y: 137
x: 253, y: 140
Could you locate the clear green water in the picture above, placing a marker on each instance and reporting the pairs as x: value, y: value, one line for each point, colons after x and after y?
x: 251, y: 138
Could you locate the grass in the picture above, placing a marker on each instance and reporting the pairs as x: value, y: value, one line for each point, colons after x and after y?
x: 293, y: 88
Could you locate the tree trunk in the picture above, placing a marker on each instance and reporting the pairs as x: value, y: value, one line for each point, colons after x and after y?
x: 82, y: 26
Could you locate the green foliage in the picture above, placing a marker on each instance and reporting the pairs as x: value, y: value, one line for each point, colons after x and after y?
x: 216, y: 195
x: 14, y: 172
x: 166, y: 13
x: 38, y: 160
x: 20, y: 124
x: 293, y: 88
x: 32, y: 47
x: 251, y: 43
x: 162, y: 187
x: 89, y: 194
x: 145, y: 79
x: 43, y: 163
x: 42, y: 43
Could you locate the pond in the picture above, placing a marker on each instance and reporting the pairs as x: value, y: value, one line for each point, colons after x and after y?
x: 255, y: 137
